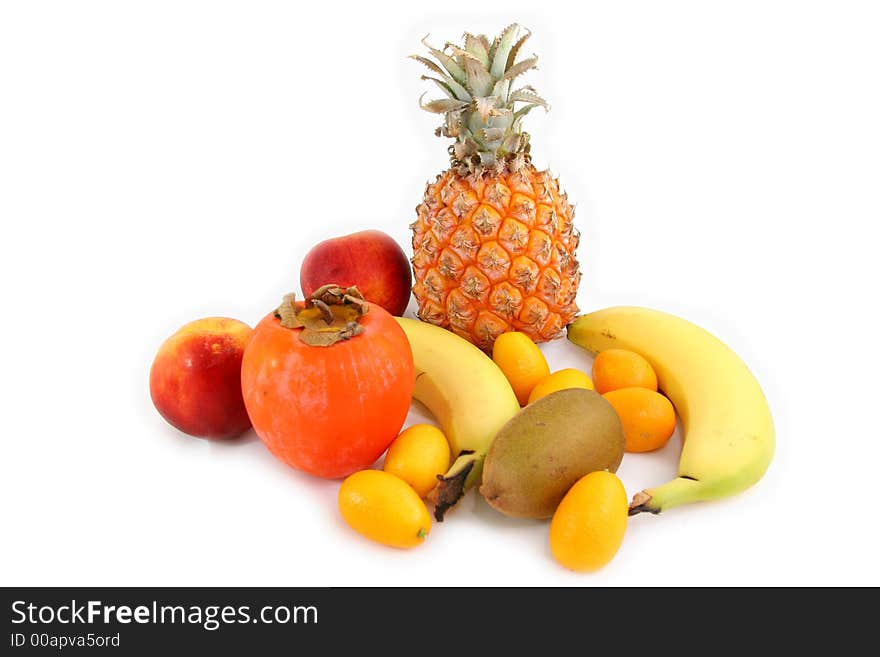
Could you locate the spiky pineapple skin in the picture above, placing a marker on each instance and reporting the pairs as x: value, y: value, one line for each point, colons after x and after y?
x: 496, y: 253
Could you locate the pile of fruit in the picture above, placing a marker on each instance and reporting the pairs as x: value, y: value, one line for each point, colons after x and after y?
x: 326, y: 382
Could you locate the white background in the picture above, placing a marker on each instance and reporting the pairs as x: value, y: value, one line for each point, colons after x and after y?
x: 164, y: 161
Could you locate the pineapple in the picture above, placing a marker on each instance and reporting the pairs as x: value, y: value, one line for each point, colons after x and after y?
x: 494, y: 242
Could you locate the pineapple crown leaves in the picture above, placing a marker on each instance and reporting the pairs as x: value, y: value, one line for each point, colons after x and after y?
x: 482, y: 111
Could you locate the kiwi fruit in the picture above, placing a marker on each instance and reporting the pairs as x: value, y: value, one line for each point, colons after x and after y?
x: 545, y: 448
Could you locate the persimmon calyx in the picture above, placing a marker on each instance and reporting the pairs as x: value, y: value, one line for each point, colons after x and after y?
x: 329, y: 315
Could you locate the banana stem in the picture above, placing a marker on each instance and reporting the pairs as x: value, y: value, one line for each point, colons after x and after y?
x: 640, y: 503
x: 680, y: 490
x: 455, y: 483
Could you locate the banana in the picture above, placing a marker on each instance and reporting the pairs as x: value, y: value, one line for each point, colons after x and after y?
x: 728, y: 429
x: 467, y: 393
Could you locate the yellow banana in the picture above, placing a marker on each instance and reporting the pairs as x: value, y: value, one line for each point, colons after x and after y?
x: 467, y: 393
x: 728, y: 430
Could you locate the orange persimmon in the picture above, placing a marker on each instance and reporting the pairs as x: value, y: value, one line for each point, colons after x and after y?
x: 328, y: 410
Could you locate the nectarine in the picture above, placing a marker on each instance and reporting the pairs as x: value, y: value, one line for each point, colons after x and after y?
x: 195, y: 379
x: 370, y: 260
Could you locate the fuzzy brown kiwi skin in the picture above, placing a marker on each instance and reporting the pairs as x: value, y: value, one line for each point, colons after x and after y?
x: 543, y: 450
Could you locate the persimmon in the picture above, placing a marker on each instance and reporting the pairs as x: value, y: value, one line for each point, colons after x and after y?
x: 328, y: 383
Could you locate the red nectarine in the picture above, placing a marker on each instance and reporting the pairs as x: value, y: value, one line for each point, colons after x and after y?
x: 370, y: 260
x: 195, y: 379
